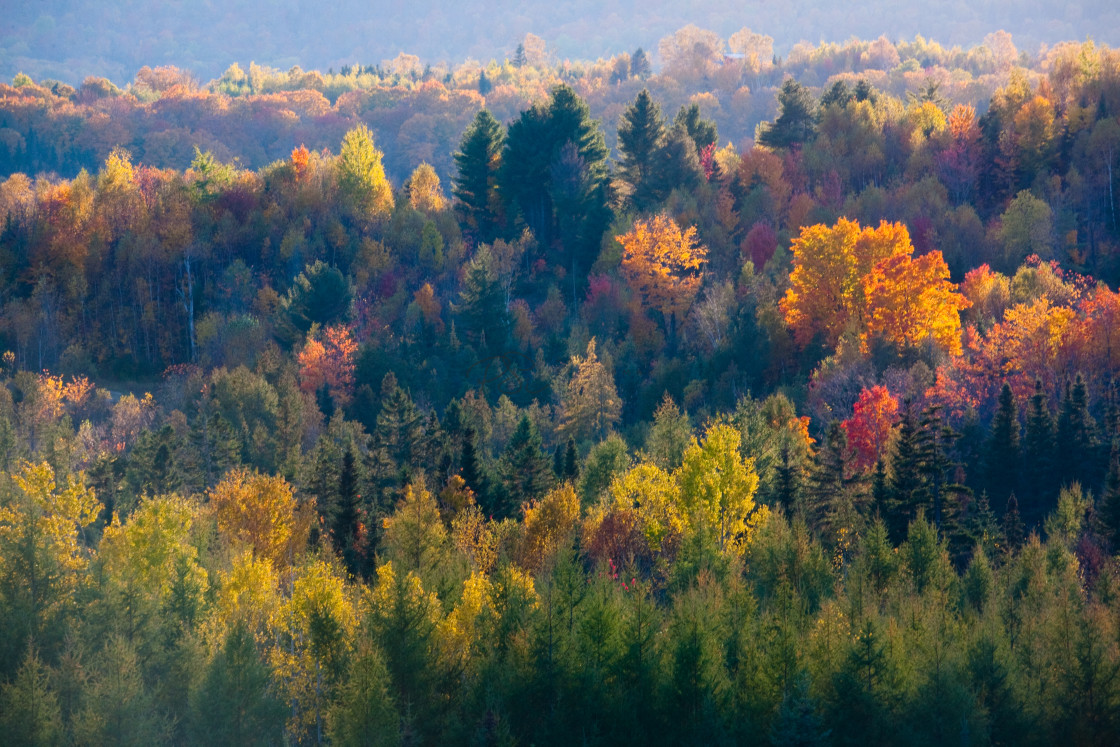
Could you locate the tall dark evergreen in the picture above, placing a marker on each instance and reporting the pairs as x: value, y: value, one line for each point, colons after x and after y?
x: 476, y: 175
x: 345, y: 530
x: 1077, y: 437
x: 482, y: 307
x: 526, y: 473
x: 795, y: 123
x: 550, y: 187
x: 1003, y: 449
x: 1038, y: 456
x: 832, y: 487
x: 639, y: 64
x: 641, y: 135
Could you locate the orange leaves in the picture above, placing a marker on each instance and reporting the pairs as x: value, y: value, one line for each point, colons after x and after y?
x: 868, y: 429
x: 663, y: 264
x: 909, y: 301
x: 851, y: 280
x: 329, y: 362
x: 301, y: 157
x: 825, y: 296
x: 261, y: 511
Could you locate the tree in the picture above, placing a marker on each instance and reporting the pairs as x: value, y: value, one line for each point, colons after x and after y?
x: 641, y: 134
x: 873, y: 417
x: 1076, y: 443
x: 361, y: 177
x: 477, y: 163
x: 718, y: 487
x: 29, y: 708
x: 41, y: 557
x: 524, y: 468
x: 424, y: 193
x: 483, y: 303
x: 415, y: 537
x: 591, y: 406
x: 910, y: 301
x: 795, y: 123
x: 1025, y: 229
x: 826, y: 294
x: 329, y: 363
x: 235, y: 703
x: 639, y: 64
x: 664, y: 265
x: 669, y: 435
x: 364, y: 714
x: 1003, y: 455
x: 701, y: 131
x: 261, y: 511
x: 319, y: 295
x: 559, y: 191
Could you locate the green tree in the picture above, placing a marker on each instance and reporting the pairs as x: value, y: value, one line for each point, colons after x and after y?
x: 234, y: 703
x: 524, y: 467
x: 364, y: 714
x: 1003, y: 465
x: 701, y: 131
x: 477, y: 163
x: 29, y: 708
x: 795, y: 123
x: 641, y: 135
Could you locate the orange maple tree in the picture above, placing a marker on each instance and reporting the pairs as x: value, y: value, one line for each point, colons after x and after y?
x: 664, y: 265
x: 911, y: 300
x: 329, y: 362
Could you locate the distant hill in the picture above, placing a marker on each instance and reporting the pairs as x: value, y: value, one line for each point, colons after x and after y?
x: 70, y: 39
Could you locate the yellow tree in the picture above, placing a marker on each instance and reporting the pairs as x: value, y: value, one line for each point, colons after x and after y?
x: 910, y: 301
x: 361, y: 175
x: 591, y: 403
x: 548, y: 527
x: 261, y: 512
x: 664, y: 265
x: 41, y: 557
x: 424, y: 192
x: 717, y: 489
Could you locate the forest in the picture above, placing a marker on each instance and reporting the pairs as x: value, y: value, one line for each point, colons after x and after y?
x: 722, y: 399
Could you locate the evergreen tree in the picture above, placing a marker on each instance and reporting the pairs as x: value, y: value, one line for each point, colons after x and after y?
x: 571, y: 462
x: 1038, y: 456
x: 1013, y: 531
x: 639, y: 64
x: 525, y: 470
x: 29, y: 708
x: 701, y: 131
x: 641, y: 134
x: 477, y: 163
x: 537, y: 169
x: 234, y: 703
x: 1109, y: 512
x: 345, y: 530
x: 1003, y: 448
x: 1077, y: 437
x: 470, y: 466
x: 832, y: 487
x: 795, y: 123
x: 483, y: 305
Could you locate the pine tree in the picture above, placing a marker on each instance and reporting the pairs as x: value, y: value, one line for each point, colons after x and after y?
x: 346, y: 517
x: 831, y: 506
x: 795, y: 124
x: 571, y: 462
x: 1003, y: 448
x: 639, y: 64
x: 525, y: 469
x: 476, y: 175
x: 234, y: 703
x: 701, y: 131
x: 1038, y: 456
x: 1109, y: 512
x: 1013, y: 531
x: 1076, y: 436
x: 641, y: 134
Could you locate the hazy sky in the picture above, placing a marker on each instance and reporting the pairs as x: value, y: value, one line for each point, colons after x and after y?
x: 69, y: 39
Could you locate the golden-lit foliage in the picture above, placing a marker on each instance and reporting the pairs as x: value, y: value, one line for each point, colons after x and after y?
x: 663, y: 264
x: 260, y: 512
x: 865, y: 281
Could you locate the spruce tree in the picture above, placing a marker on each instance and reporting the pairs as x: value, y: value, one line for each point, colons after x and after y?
x: 1003, y: 448
x: 1013, y: 531
x: 476, y: 173
x: 795, y: 124
x: 639, y: 64
x: 1039, y: 477
x: 1076, y: 436
x: 641, y: 134
x: 571, y: 462
x: 701, y: 131
x: 345, y: 532
x: 525, y: 469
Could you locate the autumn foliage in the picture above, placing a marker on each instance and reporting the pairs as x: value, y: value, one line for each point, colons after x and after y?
x: 663, y: 264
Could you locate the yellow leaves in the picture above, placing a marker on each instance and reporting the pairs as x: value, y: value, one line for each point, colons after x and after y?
x: 653, y: 494
x: 424, y: 192
x: 361, y: 174
x: 591, y: 403
x: 718, y: 487
x: 663, y: 264
x: 144, y: 552
x: 473, y: 535
x: 247, y: 593
x: 42, y: 513
x: 548, y: 527
x: 865, y: 281
x: 260, y: 511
